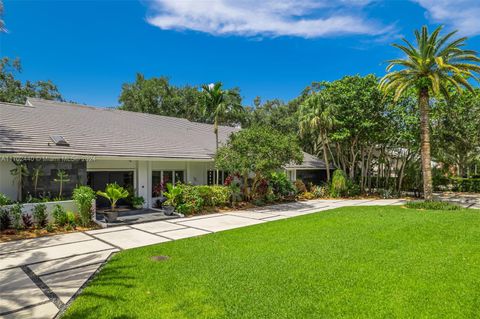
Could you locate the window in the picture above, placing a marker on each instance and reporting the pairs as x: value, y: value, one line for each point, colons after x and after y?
x: 212, y: 177
x: 161, y: 178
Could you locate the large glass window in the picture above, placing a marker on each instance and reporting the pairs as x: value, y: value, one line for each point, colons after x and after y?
x: 212, y: 177
x: 160, y: 179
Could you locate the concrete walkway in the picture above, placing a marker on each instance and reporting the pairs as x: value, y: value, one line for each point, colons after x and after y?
x: 38, y: 277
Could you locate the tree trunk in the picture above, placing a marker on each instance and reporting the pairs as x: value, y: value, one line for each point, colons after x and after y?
x: 215, y: 129
x: 325, y: 158
x: 425, y: 143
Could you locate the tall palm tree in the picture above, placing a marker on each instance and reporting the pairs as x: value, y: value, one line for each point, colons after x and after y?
x: 432, y: 66
x: 316, y: 117
x: 218, y: 104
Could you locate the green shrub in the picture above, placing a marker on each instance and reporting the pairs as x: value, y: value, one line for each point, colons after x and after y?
x: 59, y: 215
x: 5, y: 220
x: 50, y: 228
x: 4, y: 200
x: 220, y: 195
x: 16, y: 215
x: 466, y: 184
x: 137, y: 201
x: 281, y: 184
x: 40, y: 215
x: 433, y: 205
x: 339, y: 184
x: 71, y: 219
x: 83, y: 197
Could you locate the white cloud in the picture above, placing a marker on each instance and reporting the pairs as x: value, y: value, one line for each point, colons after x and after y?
x: 301, y: 18
x: 462, y: 15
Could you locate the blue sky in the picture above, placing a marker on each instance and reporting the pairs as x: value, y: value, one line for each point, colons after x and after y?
x: 271, y: 49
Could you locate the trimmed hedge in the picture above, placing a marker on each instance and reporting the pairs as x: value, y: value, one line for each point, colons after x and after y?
x: 465, y: 184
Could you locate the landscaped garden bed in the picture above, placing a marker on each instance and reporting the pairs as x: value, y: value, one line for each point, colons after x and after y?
x: 352, y: 262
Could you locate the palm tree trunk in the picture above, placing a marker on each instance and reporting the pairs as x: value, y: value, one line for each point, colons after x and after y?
x: 215, y: 128
x: 425, y: 143
x: 325, y: 157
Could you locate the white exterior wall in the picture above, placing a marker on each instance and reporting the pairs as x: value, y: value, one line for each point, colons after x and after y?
x: 195, y: 172
x: 7, y: 186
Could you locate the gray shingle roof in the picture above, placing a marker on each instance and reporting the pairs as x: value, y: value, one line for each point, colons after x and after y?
x: 309, y: 162
x: 102, y: 132
x: 93, y: 131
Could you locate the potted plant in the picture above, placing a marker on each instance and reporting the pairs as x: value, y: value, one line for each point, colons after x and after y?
x: 174, y: 197
x: 137, y: 202
x: 113, y: 192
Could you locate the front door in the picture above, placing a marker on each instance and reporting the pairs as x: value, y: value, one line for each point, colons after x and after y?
x: 99, y: 180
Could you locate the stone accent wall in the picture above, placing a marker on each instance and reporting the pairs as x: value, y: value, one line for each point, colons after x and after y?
x: 47, y: 186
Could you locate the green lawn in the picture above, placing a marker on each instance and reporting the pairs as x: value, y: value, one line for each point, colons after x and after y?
x: 362, y: 262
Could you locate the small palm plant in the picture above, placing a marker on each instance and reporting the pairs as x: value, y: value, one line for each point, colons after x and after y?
x: 19, y: 172
x: 62, y: 177
x: 37, y: 172
x: 113, y: 192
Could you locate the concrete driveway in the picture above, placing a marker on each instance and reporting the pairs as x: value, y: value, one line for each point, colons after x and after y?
x: 39, y: 277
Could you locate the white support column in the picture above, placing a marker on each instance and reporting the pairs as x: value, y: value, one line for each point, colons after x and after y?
x: 142, y: 181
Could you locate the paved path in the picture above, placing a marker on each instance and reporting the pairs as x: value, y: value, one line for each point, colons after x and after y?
x: 38, y: 277
x: 467, y: 200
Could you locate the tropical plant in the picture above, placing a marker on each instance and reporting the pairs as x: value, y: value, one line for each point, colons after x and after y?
x: 59, y: 215
x: 4, y: 200
x: 27, y: 221
x: 113, y: 192
x: 62, y: 177
x: 16, y: 214
x: 281, y: 184
x: 40, y: 215
x: 339, y: 183
x: 173, y: 195
x: 83, y: 197
x: 37, y: 172
x: 218, y: 104
x: 432, y: 66
x: 71, y: 219
x: 138, y: 201
x: 19, y: 172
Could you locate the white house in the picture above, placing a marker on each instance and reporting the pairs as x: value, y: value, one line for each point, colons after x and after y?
x: 96, y: 146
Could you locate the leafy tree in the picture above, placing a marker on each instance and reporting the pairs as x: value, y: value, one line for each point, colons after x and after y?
x: 12, y: 90
x: 257, y: 150
x: 276, y: 114
x: 456, y: 131
x: 429, y: 67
